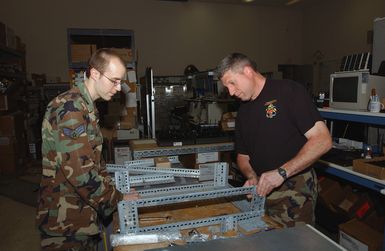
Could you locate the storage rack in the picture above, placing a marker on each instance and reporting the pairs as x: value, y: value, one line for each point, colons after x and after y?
x: 347, y: 173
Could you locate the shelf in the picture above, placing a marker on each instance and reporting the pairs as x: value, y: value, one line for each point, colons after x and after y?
x: 101, y: 38
x: 11, y: 52
x: 188, y: 149
x: 12, y: 75
x: 353, y: 115
x: 346, y: 172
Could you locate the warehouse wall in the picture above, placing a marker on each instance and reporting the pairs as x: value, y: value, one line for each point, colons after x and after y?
x: 168, y: 35
x: 333, y: 29
x: 338, y: 28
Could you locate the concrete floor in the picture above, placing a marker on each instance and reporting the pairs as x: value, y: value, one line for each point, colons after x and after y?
x: 17, y: 229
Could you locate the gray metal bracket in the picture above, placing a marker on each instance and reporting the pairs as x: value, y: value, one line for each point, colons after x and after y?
x: 128, y: 210
x: 167, y: 151
x: 213, y: 171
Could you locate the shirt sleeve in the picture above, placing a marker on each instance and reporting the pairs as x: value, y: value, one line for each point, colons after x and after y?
x: 240, y: 144
x: 80, y: 160
x: 303, y: 111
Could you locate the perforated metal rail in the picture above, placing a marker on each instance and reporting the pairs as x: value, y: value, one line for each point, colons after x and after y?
x: 128, y: 210
x: 216, y: 186
x: 123, y: 181
x: 167, y: 151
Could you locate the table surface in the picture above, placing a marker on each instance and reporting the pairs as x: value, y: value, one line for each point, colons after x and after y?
x: 289, y: 239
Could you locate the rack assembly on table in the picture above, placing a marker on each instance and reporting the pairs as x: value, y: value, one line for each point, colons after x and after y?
x: 213, y: 184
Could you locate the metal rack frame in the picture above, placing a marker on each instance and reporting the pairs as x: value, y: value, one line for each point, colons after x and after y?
x: 249, y: 218
x: 169, y: 151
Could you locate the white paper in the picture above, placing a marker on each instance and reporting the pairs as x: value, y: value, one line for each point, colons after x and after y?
x: 131, y: 99
x: 131, y: 75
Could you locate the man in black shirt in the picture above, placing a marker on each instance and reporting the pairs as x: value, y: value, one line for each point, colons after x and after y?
x: 279, y: 135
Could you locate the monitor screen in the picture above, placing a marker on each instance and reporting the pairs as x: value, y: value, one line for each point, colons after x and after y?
x: 345, y: 89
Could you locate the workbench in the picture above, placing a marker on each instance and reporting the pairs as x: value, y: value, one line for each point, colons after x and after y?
x: 289, y: 239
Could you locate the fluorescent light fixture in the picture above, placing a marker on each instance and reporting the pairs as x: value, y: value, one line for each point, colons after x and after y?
x: 292, y: 2
x: 248, y: 1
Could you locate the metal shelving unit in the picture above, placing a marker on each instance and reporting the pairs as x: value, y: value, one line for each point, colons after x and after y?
x: 179, y: 150
x: 347, y: 173
x: 117, y: 38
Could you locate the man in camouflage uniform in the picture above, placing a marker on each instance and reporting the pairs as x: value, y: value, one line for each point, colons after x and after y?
x: 279, y: 135
x: 75, y: 189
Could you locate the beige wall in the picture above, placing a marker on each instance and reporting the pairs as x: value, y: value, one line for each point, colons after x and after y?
x: 171, y: 35
x: 339, y: 27
x: 335, y: 28
x: 168, y: 35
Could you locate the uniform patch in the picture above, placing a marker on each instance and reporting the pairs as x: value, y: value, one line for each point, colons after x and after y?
x: 74, y: 133
x: 271, y: 109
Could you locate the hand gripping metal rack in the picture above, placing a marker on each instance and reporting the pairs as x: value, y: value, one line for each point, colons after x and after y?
x: 213, y: 184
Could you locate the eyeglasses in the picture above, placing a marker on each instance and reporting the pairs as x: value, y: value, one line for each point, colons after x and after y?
x: 115, y: 82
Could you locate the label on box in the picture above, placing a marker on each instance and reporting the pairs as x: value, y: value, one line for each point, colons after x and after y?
x: 131, y: 75
x: 207, y: 157
x: 122, y: 154
x: 351, y: 243
x: 179, y: 143
x: 231, y: 124
x: 4, y: 141
x: 173, y: 159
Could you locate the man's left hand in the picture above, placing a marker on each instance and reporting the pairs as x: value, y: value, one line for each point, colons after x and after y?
x: 268, y: 181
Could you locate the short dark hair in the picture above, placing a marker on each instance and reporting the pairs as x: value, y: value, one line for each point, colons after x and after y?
x: 100, y: 59
x: 234, y: 61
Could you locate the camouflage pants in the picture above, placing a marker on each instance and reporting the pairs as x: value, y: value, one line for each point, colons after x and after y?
x: 294, y: 202
x: 70, y: 243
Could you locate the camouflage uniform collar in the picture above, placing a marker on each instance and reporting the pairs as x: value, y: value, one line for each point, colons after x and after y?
x: 86, y: 95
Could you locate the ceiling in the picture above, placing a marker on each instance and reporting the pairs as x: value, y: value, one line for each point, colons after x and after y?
x: 281, y: 3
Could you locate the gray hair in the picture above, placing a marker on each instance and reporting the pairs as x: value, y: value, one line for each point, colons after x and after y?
x: 235, y: 62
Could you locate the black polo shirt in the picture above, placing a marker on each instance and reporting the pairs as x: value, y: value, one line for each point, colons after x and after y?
x: 271, y: 128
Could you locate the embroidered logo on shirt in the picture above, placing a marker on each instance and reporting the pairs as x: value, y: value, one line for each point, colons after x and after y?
x: 74, y: 133
x: 271, y: 109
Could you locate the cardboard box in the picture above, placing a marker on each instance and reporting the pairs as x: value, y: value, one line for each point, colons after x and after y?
x: 11, y: 164
x: 81, y: 52
x: 129, y: 120
x: 162, y: 162
x: 354, y: 204
x: 13, y: 152
x: 331, y: 193
x: 13, y: 145
x: 11, y: 39
x: 7, y: 103
x: 111, y: 120
x: 372, y: 167
x: 3, y: 34
x: 194, y: 160
x: 114, y: 108
x: 125, y: 54
x: 122, y: 154
x: 375, y: 220
x: 123, y: 134
x: 228, y: 121
x: 12, y: 124
x: 143, y: 144
x: 357, y: 236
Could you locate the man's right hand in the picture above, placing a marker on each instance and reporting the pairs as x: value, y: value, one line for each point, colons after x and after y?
x: 132, y: 195
x: 250, y: 182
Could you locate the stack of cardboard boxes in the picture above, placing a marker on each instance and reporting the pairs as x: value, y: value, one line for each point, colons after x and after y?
x: 13, y: 146
x: 359, y: 225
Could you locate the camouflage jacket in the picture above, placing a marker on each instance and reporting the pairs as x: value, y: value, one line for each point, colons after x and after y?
x: 74, y: 185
